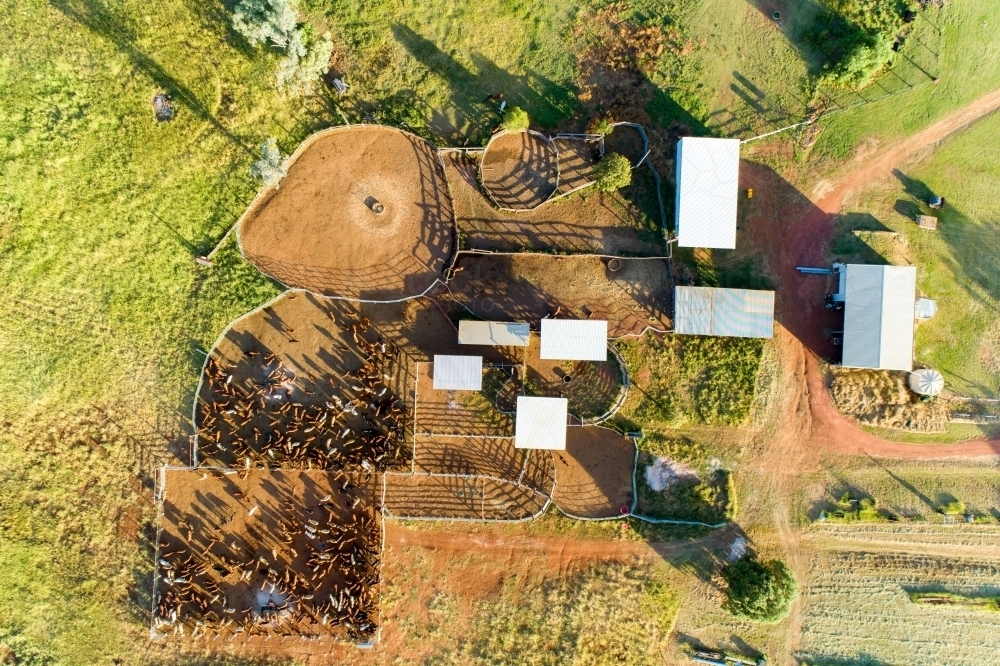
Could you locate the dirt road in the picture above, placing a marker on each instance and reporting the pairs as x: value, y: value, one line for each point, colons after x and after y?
x: 792, y: 229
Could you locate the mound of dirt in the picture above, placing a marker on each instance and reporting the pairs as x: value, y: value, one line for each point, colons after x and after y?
x: 363, y: 213
x: 881, y: 398
x: 520, y: 170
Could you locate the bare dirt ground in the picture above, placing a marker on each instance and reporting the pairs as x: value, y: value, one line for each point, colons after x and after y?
x: 594, y: 473
x: 465, y: 412
x: 528, y: 288
x: 319, y: 231
x: 576, y: 162
x: 626, y: 141
x: 519, y: 170
x: 260, y: 553
x: 588, y: 222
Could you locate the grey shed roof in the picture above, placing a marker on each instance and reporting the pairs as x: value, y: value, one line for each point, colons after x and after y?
x: 708, y: 175
x: 458, y: 373
x: 495, y: 333
x: 540, y: 423
x: 574, y: 340
x: 735, y: 313
x: 878, y: 317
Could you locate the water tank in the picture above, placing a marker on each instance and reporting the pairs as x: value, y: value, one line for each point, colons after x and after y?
x: 926, y: 381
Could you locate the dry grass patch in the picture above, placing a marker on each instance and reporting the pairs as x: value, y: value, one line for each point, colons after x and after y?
x: 881, y: 398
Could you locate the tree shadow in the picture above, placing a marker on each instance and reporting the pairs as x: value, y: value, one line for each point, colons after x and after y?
x: 475, y: 114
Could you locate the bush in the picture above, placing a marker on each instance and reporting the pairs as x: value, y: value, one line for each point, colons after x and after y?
x: 515, y: 119
x: 269, y: 167
x: 262, y: 21
x: 613, y: 172
x: 600, y: 126
x: 954, y: 508
x: 760, y: 591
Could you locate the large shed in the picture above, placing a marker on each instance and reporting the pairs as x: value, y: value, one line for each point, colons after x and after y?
x: 708, y: 175
x: 494, y: 333
x: 574, y: 340
x: 540, y: 423
x: 734, y: 313
x: 878, y: 316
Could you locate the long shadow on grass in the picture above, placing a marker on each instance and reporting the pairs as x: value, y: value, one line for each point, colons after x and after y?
x: 109, y: 24
x: 548, y: 101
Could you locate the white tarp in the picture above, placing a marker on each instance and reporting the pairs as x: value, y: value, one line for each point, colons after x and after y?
x: 495, y: 333
x: 878, y: 317
x: 540, y: 423
x: 574, y: 340
x: 708, y: 176
x: 737, y: 313
x: 458, y: 373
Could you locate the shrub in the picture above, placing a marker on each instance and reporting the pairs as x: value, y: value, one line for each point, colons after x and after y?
x: 515, y: 119
x: 613, y: 172
x: 307, y: 60
x: 601, y: 125
x: 953, y: 508
x: 269, y: 167
x: 760, y: 591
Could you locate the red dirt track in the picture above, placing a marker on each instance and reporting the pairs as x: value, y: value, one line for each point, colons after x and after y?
x: 792, y: 230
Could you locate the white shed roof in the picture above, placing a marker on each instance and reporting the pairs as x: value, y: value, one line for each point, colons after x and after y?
x: 736, y: 313
x: 458, y: 373
x: 540, y: 423
x: 574, y: 340
x: 878, y: 317
x: 496, y: 333
x: 708, y: 174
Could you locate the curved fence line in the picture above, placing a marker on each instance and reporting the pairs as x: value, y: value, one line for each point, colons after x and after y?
x: 482, y: 182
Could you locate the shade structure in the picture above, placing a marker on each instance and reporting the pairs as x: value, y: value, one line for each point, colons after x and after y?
x: 708, y: 175
x: 879, y: 317
x: 926, y: 381
x: 574, y: 340
x: 493, y: 333
x: 458, y: 373
x: 540, y: 423
x: 735, y: 313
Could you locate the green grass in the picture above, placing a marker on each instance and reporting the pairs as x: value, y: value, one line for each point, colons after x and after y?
x: 958, y: 265
x: 690, y: 379
x: 989, y: 604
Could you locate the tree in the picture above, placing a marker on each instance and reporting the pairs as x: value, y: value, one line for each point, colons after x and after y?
x: 613, y: 172
x: 277, y: 22
x: 515, y: 119
x: 262, y: 21
x: 760, y: 591
x: 270, y: 168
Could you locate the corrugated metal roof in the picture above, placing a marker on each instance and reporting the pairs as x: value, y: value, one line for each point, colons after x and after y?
x: 574, y: 340
x: 540, y: 423
x: 878, y: 317
x: 458, y: 373
x: 708, y: 175
x: 736, y: 313
x: 496, y: 333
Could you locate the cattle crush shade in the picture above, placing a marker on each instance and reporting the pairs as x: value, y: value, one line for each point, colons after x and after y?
x: 458, y: 373
x: 540, y: 423
x: 574, y: 340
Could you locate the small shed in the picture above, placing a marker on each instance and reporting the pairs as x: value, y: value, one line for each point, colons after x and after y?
x: 574, y: 340
x: 708, y: 175
x: 493, y: 333
x: 540, y: 423
x: 734, y: 313
x: 928, y: 222
x: 458, y: 373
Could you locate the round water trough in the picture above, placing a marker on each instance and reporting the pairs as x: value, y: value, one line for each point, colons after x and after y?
x: 926, y: 381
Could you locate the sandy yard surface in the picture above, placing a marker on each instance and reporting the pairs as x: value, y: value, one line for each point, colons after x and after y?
x: 319, y: 231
